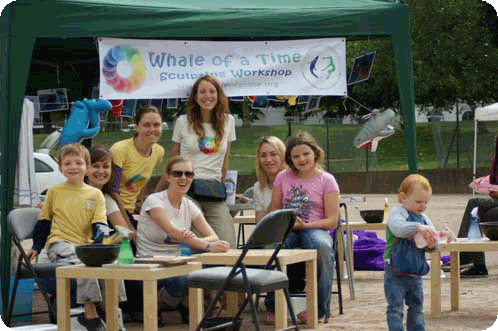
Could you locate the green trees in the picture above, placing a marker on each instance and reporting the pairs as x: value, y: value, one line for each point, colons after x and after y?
x: 455, y: 57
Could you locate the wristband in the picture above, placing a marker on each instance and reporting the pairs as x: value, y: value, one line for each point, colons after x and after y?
x: 208, y: 245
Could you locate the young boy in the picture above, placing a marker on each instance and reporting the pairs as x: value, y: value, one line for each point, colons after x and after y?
x: 405, y: 263
x: 71, y: 215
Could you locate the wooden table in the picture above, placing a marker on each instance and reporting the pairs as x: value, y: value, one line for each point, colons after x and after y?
x: 243, y: 220
x: 111, y: 277
x: 286, y: 257
x: 363, y: 226
x: 463, y: 245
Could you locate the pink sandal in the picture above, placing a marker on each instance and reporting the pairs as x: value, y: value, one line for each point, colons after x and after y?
x: 302, y: 317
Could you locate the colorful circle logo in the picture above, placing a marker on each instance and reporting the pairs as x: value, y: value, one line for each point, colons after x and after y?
x: 136, y: 62
x: 208, y: 145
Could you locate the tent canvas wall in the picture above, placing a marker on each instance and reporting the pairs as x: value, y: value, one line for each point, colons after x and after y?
x: 23, y: 21
x: 488, y: 113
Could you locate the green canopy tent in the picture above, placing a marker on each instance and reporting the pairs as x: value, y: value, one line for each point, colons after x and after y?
x: 23, y: 21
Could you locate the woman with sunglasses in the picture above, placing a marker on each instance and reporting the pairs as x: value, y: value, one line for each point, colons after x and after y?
x: 166, y: 220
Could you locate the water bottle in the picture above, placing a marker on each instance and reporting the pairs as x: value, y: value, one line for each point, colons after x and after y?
x: 125, y: 252
x: 474, y: 231
x: 185, y: 250
x: 420, y: 241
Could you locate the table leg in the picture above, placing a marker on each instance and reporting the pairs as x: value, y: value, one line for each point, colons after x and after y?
x: 455, y: 279
x: 311, y: 294
x: 435, y: 283
x: 150, y: 305
x: 340, y: 252
x: 349, y: 245
x: 111, y: 304
x: 232, y: 302
x: 196, y: 306
x: 281, y: 306
x: 63, y: 304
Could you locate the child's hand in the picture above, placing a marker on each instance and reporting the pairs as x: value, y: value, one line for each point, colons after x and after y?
x: 428, y: 234
x: 32, y: 254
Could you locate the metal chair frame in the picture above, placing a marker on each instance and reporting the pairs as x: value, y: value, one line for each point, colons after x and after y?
x: 273, y: 228
x: 25, y: 269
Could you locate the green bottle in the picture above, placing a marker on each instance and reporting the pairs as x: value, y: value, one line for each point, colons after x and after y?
x: 125, y: 253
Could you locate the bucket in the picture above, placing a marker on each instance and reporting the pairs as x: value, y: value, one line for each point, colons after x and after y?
x: 117, y: 106
x: 24, y: 300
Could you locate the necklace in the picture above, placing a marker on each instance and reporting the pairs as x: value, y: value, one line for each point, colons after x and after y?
x: 145, y: 153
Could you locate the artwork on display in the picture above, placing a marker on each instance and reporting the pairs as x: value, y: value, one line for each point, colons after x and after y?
x: 158, y: 103
x: 362, y: 66
x: 128, y: 109
x: 237, y: 99
x: 172, y: 103
x: 313, y: 103
x: 260, y: 102
x: 95, y: 93
x: 142, y: 102
x: 303, y: 99
x: 53, y: 100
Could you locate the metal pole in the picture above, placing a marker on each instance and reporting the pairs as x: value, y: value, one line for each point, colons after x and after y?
x: 327, y: 123
x: 475, y: 150
x: 458, y: 137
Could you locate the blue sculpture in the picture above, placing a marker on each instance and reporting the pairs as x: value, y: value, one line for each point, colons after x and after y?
x: 84, y: 120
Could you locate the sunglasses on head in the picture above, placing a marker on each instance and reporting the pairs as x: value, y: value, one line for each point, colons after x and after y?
x: 178, y: 173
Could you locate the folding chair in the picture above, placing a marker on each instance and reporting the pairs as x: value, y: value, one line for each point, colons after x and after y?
x: 271, y: 229
x: 241, y: 241
x: 21, y: 223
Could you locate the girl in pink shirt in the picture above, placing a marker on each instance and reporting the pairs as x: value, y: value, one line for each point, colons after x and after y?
x: 314, y: 194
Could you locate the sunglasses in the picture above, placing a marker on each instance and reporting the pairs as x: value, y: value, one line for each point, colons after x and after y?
x: 178, y: 173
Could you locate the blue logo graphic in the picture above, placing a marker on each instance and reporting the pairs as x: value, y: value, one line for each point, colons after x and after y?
x: 320, y: 67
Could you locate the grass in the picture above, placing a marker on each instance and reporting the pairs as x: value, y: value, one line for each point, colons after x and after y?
x: 342, y: 155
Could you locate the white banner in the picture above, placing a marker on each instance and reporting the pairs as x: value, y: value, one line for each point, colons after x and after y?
x: 155, y: 69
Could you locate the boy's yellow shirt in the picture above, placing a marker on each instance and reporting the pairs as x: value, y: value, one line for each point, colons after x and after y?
x: 73, y: 209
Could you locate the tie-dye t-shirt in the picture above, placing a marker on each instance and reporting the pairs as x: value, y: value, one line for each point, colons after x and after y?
x: 206, y: 155
x: 305, y: 195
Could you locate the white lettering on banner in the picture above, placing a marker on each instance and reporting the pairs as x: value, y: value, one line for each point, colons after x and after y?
x: 137, y: 69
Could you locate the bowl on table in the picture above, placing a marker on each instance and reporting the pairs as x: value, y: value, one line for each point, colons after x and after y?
x: 490, y: 229
x: 372, y: 216
x: 95, y: 255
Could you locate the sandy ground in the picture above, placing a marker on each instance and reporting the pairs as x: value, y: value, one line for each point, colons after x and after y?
x: 478, y: 304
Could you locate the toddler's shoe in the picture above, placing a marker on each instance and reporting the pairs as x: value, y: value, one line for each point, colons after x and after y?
x: 92, y: 324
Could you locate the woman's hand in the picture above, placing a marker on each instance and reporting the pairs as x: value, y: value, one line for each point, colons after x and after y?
x: 300, y: 224
x: 186, y: 233
x: 219, y: 246
x: 132, y: 235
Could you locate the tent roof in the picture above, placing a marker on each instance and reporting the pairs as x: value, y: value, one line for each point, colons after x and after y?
x: 282, y: 19
x: 488, y: 113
